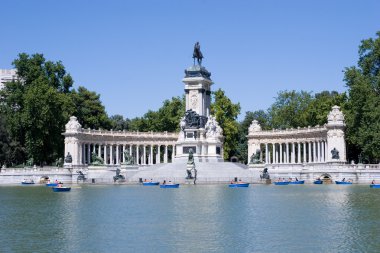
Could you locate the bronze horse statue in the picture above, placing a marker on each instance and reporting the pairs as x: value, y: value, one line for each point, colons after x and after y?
x: 197, y: 53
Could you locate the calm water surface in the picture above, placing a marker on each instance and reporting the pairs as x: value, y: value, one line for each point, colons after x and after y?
x: 201, y: 218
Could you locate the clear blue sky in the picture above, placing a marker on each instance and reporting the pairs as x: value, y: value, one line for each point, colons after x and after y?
x: 134, y: 52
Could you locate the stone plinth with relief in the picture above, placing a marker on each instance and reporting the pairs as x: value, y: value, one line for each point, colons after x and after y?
x: 199, y: 130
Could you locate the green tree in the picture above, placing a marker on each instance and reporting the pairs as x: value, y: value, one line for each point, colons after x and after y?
x: 363, y: 105
x: 166, y: 118
x: 321, y: 105
x: 263, y: 118
x: 89, y: 109
x: 118, y: 123
x: 290, y: 109
x: 35, y: 108
x: 226, y: 114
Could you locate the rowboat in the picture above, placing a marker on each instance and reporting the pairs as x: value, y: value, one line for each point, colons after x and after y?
x: 318, y: 182
x: 281, y: 183
x: 27, y: 181
x: 51, y: 184
x: 374, y: 185
x: 297, y: 182
x: 343, y: 182
x: 238, y: 185
x: 169, y: 186
x: 61, y: 189
x: 150, y: 183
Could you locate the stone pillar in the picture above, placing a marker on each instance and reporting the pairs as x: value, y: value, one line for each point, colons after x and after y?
x: 299, y: 153
x: 309, y: 152
x: 94, y: 148
x: 280, y: 152
x: 304, y: 152
x: 151, y: 154
x: 89, y: 154
x: 137, y: 154
x: 314, y: 151
x: 105, y: 154
x: 275, y: 155
x: 99, y: 150
x: 324, y: 151
x: 111, y: 154
x: 144, y: 154
x: 287, y: 153
x: 166, y: 154
x: 123, y: 156
x: 158, y: 157
x: 293, y: 153
x: 266, y: 153
x: 117, y: 154
x: 130, y: 150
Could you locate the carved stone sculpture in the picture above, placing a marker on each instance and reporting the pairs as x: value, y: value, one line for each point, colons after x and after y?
x: 68, y: 158
x: 335, y: 154
x: 255, y: 158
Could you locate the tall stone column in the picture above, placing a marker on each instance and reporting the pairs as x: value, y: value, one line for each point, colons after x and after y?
x: 105, y: 154
x: 293, y: 153
x: 315, y: 151
x: 266, y: 153
x: 274, y: 152
x: 122, y: 155
x: 310, y: 152
x: 324, y: 151
x: 166, y: 154
x: 287, y: 152
x: 151, y: 154
x: 158, y: 157
x: 89, y: 154
x: 111, y: 154
x: 304, y: 152
x: 299, y: 153
x: 144, y: 154
x: 137, y: 153
x: 280, y: 152
x: 94, y: 147
x: 130, y: 150
x: 117, y: 154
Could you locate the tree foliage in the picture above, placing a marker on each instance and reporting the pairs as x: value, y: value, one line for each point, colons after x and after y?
x: 166, y: 118
x: 363, y: 105
x: 89, y: 109
x: 34, y: 107
x: 226, y: 114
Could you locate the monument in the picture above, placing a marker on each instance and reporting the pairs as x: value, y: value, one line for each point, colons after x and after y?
x: 200, y: 132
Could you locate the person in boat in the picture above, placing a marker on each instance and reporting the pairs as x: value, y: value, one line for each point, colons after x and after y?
x: 164, y: 182
x: 344, y: 179
x: 145, y: 180
x: 296, y: 179
x: 232, y: 182
x: 151, y: 180
x: 290, y: 179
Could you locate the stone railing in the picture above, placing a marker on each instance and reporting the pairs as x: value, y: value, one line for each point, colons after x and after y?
x: 290, y: 131
x: 129, y: 134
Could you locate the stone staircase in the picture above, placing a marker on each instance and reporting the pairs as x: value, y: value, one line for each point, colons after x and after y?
x: 211, y: 172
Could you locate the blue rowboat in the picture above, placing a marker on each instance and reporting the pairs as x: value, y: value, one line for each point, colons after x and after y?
x: 61, y: 189
x: 343, y: 182
x: 27, y: 182
x: 318, y: 182
x: 51, y: 184
x: 150, y: 183
x: 238, y: 185
x: 169, y: 186
x: 375, y: 186
x: 281, y: 183
x: 297, y: 182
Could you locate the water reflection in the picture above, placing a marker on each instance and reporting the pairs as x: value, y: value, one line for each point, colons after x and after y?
x: 201, y: 218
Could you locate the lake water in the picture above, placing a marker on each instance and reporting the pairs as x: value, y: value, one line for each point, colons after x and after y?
x: 201, y: 218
